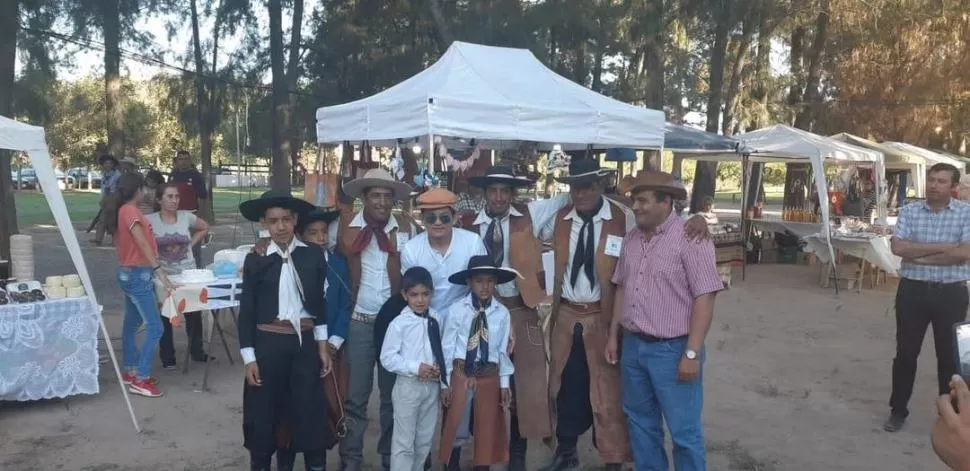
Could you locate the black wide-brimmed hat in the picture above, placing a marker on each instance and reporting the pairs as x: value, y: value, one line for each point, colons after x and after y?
x: 500, y: 174
x: 106, y: 157
x: 482, y: 265
x: 326, y: 215
x: 255, y: 209
x: 584, y: 171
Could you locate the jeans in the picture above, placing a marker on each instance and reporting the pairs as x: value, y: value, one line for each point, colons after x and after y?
x: 652, y: 394
x: 919, y: 305
x: 140, y: 307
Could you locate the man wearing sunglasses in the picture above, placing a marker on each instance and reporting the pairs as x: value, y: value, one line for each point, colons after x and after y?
x: 443, y: 249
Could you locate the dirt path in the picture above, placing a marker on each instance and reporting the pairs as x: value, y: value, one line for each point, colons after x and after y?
x: 795, y: 380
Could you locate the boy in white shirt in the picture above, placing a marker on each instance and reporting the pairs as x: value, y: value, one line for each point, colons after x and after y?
x: 412, y: 350
x: 476, y: 344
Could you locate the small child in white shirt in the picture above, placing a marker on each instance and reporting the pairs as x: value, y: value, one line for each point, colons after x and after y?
x: 412, y: 350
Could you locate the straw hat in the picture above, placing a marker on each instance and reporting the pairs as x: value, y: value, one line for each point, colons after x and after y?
x: 377, y: 178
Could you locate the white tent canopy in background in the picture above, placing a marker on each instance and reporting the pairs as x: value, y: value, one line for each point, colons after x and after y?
x: 492, y: 94
x: 18, y: 136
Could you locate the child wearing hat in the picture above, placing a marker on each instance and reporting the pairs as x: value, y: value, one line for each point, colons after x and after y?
x: 477, y: 362
x: 412, y: 350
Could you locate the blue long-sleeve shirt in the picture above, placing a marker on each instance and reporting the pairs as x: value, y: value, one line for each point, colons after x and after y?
x: 338, y: 298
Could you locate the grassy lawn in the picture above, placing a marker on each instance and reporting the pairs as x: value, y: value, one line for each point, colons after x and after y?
x: 32, y: 207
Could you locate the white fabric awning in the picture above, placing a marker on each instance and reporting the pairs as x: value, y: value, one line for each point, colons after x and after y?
x: 786, y: 142
x: 492, y: 94
x: 929, y: 156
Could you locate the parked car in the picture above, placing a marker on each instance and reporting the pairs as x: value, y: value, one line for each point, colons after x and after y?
x: 84, y: 179
x: 26, y: 179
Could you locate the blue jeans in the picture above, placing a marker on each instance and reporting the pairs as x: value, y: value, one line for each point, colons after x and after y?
x: 652, y: 394
x: 140, y: 307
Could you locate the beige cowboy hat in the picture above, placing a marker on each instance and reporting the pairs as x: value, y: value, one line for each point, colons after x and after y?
x: 377, y: 178
x: 658, y: 181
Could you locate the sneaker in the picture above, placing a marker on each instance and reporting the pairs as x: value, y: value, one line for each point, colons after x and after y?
x: 144, y: 387
x: 129, y: 377
x: 168, y: 366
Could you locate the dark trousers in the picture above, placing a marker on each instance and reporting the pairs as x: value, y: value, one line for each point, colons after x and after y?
x: 573, y: 409
x: 919, y: 304
x: 291, y: 391
x: 193, y: 327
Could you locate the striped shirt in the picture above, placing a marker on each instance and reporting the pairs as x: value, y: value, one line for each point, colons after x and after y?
x: 918, y: 223
x: 662, y: 276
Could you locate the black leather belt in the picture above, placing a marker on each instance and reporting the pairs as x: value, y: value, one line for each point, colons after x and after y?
x: 652, y: 339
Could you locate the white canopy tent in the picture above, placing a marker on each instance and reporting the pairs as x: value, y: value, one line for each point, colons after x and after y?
x: 17, y: 136
x: 492, y: 94
x: 927, y: 158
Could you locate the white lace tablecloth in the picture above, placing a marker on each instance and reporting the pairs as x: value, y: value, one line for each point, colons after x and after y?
x: 48, y: 350
x: 874, y: 250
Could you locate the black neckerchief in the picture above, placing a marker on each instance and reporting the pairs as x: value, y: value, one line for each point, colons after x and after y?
x: 434, y: 336
x: 584, y: 257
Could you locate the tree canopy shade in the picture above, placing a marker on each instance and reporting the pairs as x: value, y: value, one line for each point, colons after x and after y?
x: 492, y: 94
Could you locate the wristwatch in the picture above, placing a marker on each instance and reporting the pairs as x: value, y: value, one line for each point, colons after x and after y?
x: 690, y: 354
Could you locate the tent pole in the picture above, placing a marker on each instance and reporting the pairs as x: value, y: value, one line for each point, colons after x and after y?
x: 431, y: 167
x: 745, y: 179
x: 114, y: 362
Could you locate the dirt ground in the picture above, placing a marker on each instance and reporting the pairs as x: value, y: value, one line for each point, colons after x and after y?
x: 796, y: 379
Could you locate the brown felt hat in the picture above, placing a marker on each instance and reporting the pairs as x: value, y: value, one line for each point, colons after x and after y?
x: 658, y: 181
x: 437, y: 198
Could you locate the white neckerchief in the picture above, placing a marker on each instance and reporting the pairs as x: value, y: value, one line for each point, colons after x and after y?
x: 291, y: 288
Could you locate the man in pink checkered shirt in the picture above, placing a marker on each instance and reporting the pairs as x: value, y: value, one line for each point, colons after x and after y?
x: 664, y: 303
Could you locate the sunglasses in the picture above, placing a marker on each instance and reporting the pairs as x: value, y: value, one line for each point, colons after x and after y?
x: 435, y: 218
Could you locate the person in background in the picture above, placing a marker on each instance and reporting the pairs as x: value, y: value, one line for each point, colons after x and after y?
x: 109, y: 196
x: 413, y: 351
x: 442, y: 248
x: 707, y: 210
x: 128, y: 165
x: 149, y: 200
x: 932, y: 239
x: 665, y: 320
x: 477, y: 329
x: 283, y: 338
x: 138, y: 266
x: 951, y: 435
x: 192, y: 191
x: 176, y: 231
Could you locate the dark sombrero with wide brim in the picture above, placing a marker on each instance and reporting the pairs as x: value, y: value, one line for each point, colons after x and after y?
x: 482, y: 265
x: 585, y: 171
x: 255, y: 209
x: 326, y: 215
x: 500, y: 174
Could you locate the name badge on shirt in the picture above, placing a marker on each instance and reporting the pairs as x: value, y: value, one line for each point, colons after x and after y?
x: 613, y: 245
x: 402, y: 239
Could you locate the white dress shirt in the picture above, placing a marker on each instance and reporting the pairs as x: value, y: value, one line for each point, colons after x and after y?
x: 543, y: 215
x: 406, y: 344
x: 586, y: 292
x: 291, y: 301
x: 457, y: 325
x: 375, y: 286
x: 418, y: 253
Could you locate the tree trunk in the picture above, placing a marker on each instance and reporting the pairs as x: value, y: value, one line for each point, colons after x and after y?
x: 737, y: 70
x: 795, y: 65
x: 759, y: 94
x: 291, y: 145
x: 280, y: 179
x: 705, y: 173
x: 653, y: 54
x: 112, y: 77
x: 441, y: 24
x: 201, y: 110
x: 805, y: 118
x: 9, y: 20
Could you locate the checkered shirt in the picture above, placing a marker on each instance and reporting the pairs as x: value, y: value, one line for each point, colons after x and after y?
x: 918, y: 223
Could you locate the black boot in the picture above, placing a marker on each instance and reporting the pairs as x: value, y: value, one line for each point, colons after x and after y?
x: 427, y: 463
x: 563, y: 460
x: 517, y: 451
x: 454, y: 463
x: 315, y: 460
x: 285, y: 459
x: 260, y: 463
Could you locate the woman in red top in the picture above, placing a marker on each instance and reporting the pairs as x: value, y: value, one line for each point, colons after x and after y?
x: 137, y: 267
